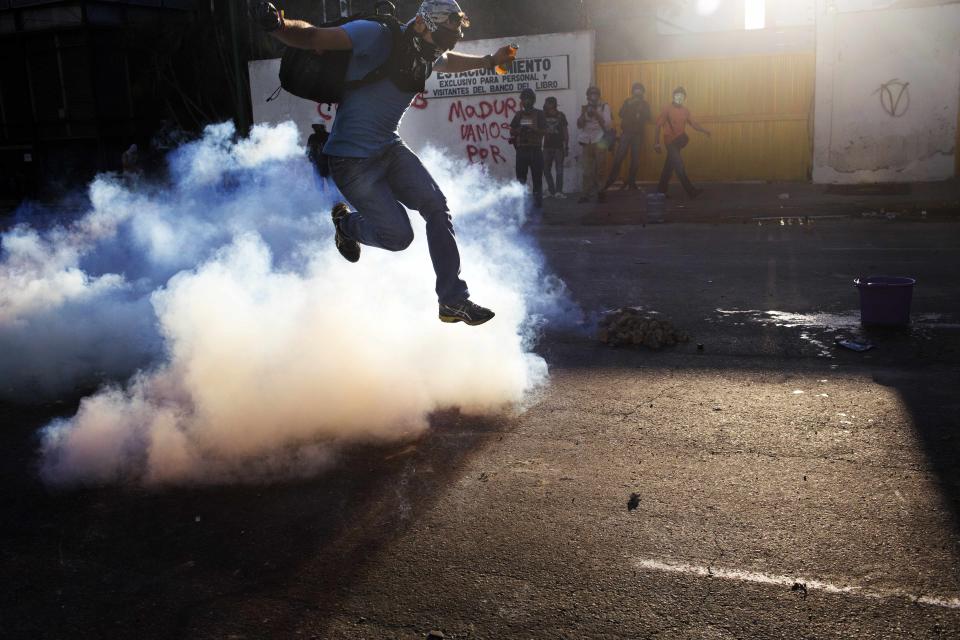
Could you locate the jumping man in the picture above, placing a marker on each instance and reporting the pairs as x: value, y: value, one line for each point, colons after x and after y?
x: 370, y: 164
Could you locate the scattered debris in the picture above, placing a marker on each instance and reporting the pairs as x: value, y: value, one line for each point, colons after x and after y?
x: 436, y: 635
x: 854, y: 345
x: 800, y: 587
x: 699, y: 347
x: 483, y: 477
x: 629, y: 326
x: 718, y: 408
x: 784, y: 196
x: 633, y: 502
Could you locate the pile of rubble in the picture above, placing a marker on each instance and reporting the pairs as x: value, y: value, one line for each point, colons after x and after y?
x: 629, y: 326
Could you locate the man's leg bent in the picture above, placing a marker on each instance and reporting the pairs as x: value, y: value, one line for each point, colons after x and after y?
x: 413, y: 185
x: 378, y: 220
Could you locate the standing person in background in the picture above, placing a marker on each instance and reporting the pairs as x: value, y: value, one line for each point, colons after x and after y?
x: 673, y: 120
x: 594, y: 121
x: 315, y: 149
x: 527, y: 129
x: 634, y: 115
x: 556, y: 146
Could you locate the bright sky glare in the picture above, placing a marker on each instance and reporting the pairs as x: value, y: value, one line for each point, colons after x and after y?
x: 755, y: 14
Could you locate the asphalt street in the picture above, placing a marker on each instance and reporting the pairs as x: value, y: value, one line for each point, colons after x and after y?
x: 783, y: 487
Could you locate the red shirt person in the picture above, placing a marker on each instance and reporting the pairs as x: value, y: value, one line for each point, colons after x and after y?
x: 673, y: 121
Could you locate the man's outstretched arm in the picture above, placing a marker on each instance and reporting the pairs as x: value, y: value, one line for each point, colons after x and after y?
x: 298, y: 33
x: 456, y: 62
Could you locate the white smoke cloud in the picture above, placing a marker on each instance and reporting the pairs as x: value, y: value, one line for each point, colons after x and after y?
x: 260, y: 348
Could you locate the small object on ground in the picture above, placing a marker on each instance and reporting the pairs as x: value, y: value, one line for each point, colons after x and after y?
x: 784, y: 196
x: 483, y: 477
x: 854, y: 345
x: 633, y: 502
x: 629, y: 326
x: 718, y: 408
x: 699, y: 347
x: 801, y: 587
x: 436, y: 635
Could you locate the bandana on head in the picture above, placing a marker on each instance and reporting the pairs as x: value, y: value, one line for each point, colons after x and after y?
x: 437, y: 12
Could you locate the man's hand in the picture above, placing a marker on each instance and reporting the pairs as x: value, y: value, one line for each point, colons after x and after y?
x: 267, y: 16
x: 656, y: 147
x: 503, y: 56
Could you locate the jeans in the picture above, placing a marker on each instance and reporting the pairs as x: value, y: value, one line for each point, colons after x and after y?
x: 379, y: 187
x: 592, y: 157
x: 632, y: 142
x: 530, y: 159
x: 553, y: 160
x: 674, y: 162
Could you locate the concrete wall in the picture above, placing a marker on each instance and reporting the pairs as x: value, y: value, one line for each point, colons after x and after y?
x: 472, y: 127
x: 887, y: 93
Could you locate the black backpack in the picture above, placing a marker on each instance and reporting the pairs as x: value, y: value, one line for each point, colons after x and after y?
x: 322, y: 77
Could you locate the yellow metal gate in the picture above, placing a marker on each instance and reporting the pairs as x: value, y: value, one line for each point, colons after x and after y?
x: 759, y: 109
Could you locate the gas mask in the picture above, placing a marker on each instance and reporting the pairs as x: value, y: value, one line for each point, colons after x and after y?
x: 678, y: 99
x: 426, y: 51
x: 446, y: 39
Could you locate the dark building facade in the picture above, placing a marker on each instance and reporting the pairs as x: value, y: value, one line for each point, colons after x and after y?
x: 82, y: 80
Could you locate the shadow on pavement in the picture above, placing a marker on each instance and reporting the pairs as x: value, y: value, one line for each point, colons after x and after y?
x: 207, y: 562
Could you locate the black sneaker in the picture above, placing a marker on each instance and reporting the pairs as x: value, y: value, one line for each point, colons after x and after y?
x: 349, y: 249
x: 466, y: 311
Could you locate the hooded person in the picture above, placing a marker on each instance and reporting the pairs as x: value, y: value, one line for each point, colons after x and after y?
x: 634, y: 116
x: 371, y: 166
x: 527, y: 129
x: 673, y: 121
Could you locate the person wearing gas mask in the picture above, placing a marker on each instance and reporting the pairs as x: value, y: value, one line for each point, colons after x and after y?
x: 556, y: 146
x: 673, y: 121
x: 527, y: 129
x: 634, y: 115
x: 371, y: 166
x: 594, y: 122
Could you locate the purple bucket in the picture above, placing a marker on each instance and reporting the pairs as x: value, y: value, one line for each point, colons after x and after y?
x: 885, y: 300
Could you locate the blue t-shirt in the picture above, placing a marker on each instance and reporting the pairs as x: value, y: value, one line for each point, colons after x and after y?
x: 369, y: 116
